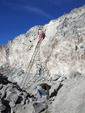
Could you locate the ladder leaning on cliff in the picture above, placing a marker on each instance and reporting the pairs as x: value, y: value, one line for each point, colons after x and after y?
x: 30, y: 65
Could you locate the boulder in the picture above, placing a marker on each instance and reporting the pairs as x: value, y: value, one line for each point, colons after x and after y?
x: 39, y: 107
x: 2, y: 106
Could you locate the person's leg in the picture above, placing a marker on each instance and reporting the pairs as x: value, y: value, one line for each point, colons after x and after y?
x: 40, y: 37
x: 40, y: 94
x: 42, y: 91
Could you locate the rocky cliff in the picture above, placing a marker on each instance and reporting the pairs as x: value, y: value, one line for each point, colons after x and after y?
x: 60, y: 54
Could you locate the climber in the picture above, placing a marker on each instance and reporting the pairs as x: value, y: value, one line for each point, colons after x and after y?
x: 41, y: 34
x: 43, y: 89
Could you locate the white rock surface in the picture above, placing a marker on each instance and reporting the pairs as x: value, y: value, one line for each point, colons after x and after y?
x: 61, y: 52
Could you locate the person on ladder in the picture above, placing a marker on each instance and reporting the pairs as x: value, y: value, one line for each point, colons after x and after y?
x: 41, y: 35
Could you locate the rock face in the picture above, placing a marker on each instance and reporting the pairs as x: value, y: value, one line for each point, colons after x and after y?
x: 4, y: 50
x: 71, y: 98
x: 61, y: 52
x: 60, y: 61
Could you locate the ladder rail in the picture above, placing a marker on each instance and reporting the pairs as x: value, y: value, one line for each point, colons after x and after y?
x: 30, y: 64
x: 29, y: 69
x: 32, y: 57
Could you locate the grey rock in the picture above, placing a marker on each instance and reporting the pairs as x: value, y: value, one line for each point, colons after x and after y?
x: 23, y: 102
x: 13, y: 72
x: 27, y: 101
x: 75, y: 74
x: 25, y: 94
x: 70, y: 98
x: 3, y: 65
x: 30, y: 99
x: 11, y: 104
x: 12, y: 97
x: 81, y: 108
x: 2, y: 107
x: 55, y: 77
x: 58, y: 84
x: 39, y: 107
x: 62, y: 78
x: 1, y: 86
x: 3, y: 93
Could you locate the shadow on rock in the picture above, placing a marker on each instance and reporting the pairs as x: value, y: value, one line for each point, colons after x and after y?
x: 54, y: 93
x: 4, y: 80
x: 8, y: 108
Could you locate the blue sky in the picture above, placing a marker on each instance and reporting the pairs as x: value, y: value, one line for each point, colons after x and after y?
x: 18, y: 16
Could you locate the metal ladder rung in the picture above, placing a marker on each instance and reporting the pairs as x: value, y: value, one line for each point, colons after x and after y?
x: 30, y: 64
